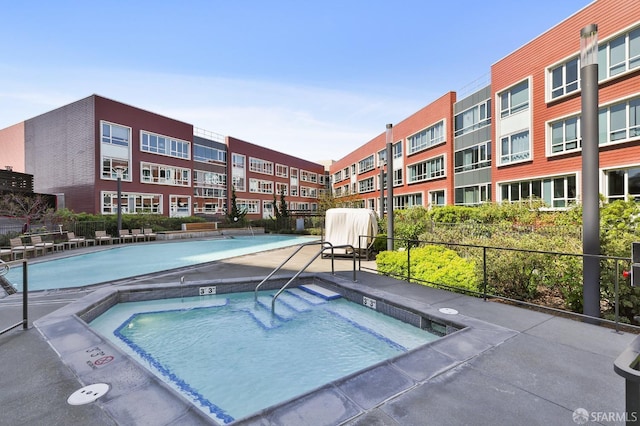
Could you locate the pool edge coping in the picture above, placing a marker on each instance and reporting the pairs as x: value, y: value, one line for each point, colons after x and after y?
x: 67, y: 331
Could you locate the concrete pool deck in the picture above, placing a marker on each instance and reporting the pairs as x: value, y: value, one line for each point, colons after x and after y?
x: 543, y: 368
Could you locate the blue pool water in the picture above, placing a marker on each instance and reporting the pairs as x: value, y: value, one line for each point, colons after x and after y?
x: 139, y: 259
x: 232, y: 357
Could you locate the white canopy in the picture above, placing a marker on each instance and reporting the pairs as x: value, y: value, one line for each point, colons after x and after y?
x: 357, y: 227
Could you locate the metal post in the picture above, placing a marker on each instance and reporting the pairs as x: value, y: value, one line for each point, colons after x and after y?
x: 381, y: 209
x: 389, y: 187
x: 119, y: 171
x: 484, y: 273
x: 25, y: 296
x: 590, y: 170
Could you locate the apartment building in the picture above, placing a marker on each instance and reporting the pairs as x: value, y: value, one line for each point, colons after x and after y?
x: 538, y: 107
x: 421, y: 167
x: 259, y: 175
x: 79, y: 152
x: 519, y: 137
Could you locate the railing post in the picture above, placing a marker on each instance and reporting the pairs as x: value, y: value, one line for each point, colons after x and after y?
x: 617, y: 296
x: 408, y: 261
x: 25, y: 296
x: 484, y: 273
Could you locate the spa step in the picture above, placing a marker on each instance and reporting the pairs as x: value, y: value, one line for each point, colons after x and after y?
x: 282, y: 311
x: 320, y: 291
x: 264, y: 317
x: 294, y: 302
x: 306, y: 296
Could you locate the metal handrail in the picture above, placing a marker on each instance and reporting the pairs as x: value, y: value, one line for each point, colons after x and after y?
x: 255, y: 292
x: 25, y: 294
x: 4, y: 268
x: 325, y: 246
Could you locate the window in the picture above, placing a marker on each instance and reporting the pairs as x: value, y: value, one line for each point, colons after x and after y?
x: 619, y: 55
x: 564, y: 78
x: 473, y: 195
x: 565, y: 135
x: 515, y: 148
x: 366, y: 185
x: 473, y: 118
x: 397, y: 177
x: 366, y: 164
x: 436, y: 198
x: 337, y: 177
x: 249, y: 206
x: 282, y: 188
x: 515, y: 99
x: 407, y: 201
x: 382, y: 157
x: 164, y: 145
x: 111, y: 166
x: 260, y: 166
x: 282, y: 170
x: 306, y: 176
x: 558, y: 192
x: 475, y: 157
x: 179, y: 206
x: 308, y: 192
x: 165, y: 175
x: 115, y: 135
x: 207, y: 154
x: 131, y: 203
x: 620, y: 122
x: 397, y: 150
x: 203, y: 178
x: 261, y: 186
x: 237, y: 161
x: 426, y: 138
x: 347, y: 175
x: 426, y: 170
x: 623, y: 182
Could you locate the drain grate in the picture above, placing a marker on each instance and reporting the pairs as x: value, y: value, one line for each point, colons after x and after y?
x: 88, y: 394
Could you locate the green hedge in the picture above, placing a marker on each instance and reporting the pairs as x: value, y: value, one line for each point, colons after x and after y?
x: 431, y: 265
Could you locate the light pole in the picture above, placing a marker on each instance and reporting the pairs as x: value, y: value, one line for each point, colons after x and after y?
x: 119, y: 172
x: 590, y: 170
x: 381, y: 189
x: 389, y: 187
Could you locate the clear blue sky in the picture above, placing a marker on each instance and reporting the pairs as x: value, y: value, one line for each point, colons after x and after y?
x: 312, y: 79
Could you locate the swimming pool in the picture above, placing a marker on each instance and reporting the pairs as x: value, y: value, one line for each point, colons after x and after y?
x: 138, y: 259
x: 235, y: 358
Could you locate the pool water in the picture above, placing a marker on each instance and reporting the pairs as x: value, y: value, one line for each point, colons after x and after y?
x: 130, y: 260
x: 232, y: 357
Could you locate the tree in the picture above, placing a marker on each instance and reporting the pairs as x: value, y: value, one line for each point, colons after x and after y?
x: 33, y: 207
x: 235, y: 214
x: 283, y: 206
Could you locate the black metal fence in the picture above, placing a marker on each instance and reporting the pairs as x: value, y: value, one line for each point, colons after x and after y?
x: 559, y: 274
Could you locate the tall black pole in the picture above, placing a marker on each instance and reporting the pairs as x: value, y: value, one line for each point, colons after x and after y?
x: 119, y: 202
x: 590, y: 170
x: 390, y: 187
x: 381, y: 209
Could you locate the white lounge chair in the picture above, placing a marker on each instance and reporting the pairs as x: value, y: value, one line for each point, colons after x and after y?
x: 125, y: 236
x: 102, y: 236
x: 45, y: 246
x: 149, y: 234
x: 79, y: 241
x: 138, y: 235
x: 18, y: 247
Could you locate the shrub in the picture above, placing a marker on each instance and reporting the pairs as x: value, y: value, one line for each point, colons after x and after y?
x: 433, y: 265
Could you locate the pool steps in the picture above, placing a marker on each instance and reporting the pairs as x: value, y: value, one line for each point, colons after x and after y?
x: 320, y: 291
x: 290, y: 303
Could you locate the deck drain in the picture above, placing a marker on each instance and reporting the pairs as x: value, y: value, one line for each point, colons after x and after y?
x: 88, y: 394
x: 448, y: 311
